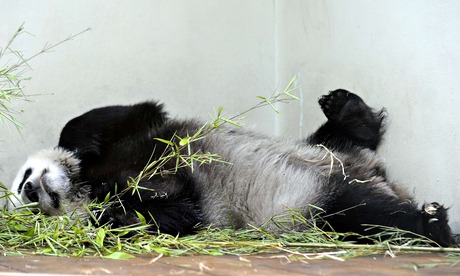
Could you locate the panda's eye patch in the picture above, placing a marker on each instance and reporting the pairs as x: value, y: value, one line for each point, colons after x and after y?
x: 26, y: 175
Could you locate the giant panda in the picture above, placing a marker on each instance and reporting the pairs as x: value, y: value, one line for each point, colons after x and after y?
x: 334, y: 174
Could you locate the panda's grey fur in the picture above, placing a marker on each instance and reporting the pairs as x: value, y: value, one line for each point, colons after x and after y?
x: 265, y: 175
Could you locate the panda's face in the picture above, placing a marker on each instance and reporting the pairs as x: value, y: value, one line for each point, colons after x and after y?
x: 46, y: 179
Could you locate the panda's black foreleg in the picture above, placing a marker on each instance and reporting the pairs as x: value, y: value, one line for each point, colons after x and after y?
x: 167, y: 202
x: 175, y: 215
x: 364, y: 210
x: 350, y: 122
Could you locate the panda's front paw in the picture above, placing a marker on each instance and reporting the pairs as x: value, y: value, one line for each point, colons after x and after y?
x: 435, y: 223
x: 333, y: 103
x: 117, y: 217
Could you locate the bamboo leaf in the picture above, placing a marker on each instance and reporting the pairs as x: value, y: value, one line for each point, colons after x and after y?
x: 288, y: 89
x: 184, y: 141
x: 141, y: 218
x: 165, y: 141
x: 100, y: 237
x: 219, y: 111
x: 231, y: 122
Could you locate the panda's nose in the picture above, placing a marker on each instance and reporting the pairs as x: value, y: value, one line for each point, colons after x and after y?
x: 31, y: 191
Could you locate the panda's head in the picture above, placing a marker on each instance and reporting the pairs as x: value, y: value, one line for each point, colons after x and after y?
x: 48, y: 178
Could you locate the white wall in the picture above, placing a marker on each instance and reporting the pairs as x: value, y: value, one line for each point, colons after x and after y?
x: 191, y: 55
x: 403, y: 55
x: 196, y: 55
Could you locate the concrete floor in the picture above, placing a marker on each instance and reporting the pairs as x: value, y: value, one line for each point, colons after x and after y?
x: 420, y: 264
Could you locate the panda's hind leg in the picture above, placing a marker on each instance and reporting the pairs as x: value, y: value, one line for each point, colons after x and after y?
x: 435, y: 224
x: 351, y: 122
x: 368, y: 211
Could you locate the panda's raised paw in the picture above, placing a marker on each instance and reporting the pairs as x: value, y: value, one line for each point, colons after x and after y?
x: 116, y: 217
x: 333, y: 103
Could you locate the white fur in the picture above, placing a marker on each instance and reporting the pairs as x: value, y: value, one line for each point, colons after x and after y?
x: 52, y: 170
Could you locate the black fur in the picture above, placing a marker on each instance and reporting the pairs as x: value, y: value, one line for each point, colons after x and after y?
x: 351, y: 126
x: 115, y: 143
x: 351, y: 123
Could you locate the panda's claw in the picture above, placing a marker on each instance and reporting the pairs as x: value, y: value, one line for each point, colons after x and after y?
x: 431, y: 208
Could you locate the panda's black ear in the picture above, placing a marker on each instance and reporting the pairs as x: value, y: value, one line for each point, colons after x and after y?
x: 89, y: 134
x: 149, y: 114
